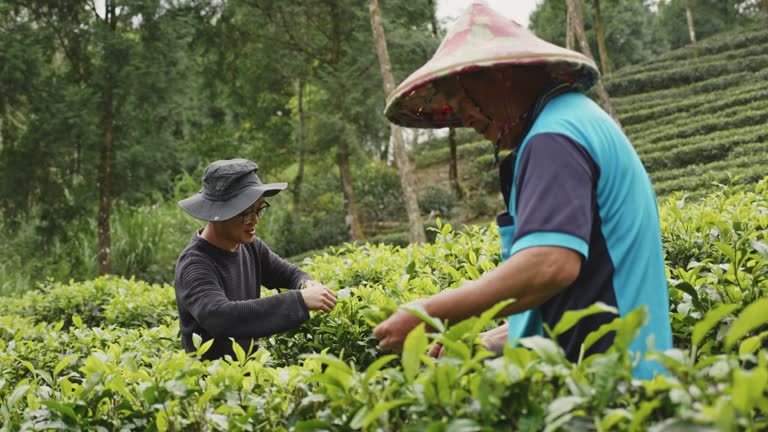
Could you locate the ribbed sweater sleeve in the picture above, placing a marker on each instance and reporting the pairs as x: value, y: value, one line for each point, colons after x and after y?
x: 277, y: 272
x: 204, y: 298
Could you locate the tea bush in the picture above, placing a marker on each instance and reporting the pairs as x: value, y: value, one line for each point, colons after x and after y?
x: 437, y: 200
x: 80, y: 367
x: 692, y: 121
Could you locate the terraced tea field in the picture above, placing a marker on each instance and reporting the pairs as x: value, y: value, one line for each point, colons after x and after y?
x: 699, y: 121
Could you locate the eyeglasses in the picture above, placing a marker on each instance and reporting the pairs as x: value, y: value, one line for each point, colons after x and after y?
x: 251, y: 216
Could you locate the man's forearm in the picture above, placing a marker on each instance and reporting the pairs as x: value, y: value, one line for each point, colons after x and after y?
x: 531, y: 276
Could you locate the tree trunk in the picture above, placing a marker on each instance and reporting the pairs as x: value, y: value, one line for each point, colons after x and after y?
x: 453, y: 167
x: 433, y: 21
x: 345, y: 175
x: 600, y: 34
x: 577, y: 20
x: 765, y: 9
x: 569, y: 43
x: 691, y: 31
x: 403, y: 165
x: 384, y: 153
x: 296, y: 189
x: 105, y: 170
x: 453, y: 171
x: 105, y: 183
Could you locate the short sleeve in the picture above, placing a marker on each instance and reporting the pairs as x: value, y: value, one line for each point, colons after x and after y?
x: 555, y: 194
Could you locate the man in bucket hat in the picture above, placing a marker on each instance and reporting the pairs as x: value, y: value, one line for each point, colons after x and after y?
x: 220, y: 273
x: 581, y: 224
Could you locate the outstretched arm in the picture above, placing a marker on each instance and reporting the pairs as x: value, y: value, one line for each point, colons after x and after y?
x: 202, y: 295
x: 279, y: 273
x: 530, y: 276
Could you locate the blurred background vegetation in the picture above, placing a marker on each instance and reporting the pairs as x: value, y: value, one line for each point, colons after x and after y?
x: 155, y: 91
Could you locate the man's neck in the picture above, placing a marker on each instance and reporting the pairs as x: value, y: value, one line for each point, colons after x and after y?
x: 211, y: 236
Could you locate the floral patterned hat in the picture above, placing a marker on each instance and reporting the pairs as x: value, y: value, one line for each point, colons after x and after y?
x: 481, y: 39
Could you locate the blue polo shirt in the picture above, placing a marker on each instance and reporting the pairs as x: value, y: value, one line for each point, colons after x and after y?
x: 577, y: 183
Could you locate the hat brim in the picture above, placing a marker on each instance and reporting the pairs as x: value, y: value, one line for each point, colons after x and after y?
x: 481, y: 40
x: 216, y: 211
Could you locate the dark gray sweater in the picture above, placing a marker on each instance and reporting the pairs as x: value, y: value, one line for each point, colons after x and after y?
x: 218, y: 294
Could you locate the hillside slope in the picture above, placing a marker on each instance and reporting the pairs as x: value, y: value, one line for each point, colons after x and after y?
x: 692, y: 121
x: 698, y: 121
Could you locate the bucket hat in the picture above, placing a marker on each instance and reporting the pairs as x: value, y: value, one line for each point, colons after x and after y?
x: 481, y: 39
x: 229, y: 187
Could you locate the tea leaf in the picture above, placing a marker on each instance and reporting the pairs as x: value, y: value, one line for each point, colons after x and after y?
x: 751, y: 344
x: 64, y: 363
x: 380, y: 409
x: 571, y: 317
x: 239, y: 352
x: 752, y: 317
x: 204, y: 347
x: 419, y: 311
x: 62, y: 408
x: 18, y: 393
x: 563, y: 405
x: 415, y: 344
x: 711, y: 319
x: 545, y: 348
x: 77, y: 321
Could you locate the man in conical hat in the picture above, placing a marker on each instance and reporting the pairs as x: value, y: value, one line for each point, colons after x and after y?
x: 581, y: 224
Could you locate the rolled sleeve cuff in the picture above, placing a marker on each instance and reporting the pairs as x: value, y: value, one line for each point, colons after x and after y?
x: 567, y: 241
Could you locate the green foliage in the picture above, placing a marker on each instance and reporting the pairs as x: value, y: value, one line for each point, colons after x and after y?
x: 696, y: 105
x: 437, y: 200
x: 628, y: 25
x: 379, y: 193
x: 100, y: 302
x: 124, y: 369
x: 684, y: 74
x: 716, y: 251
x: 700, y: 179
x: 441, y: 155
x: 440, y: 142
x: 699, y: 122
x: 710, y: 17
x: 148, y: 239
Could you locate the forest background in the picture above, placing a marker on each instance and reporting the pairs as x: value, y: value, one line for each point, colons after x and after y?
x: 109, y: 113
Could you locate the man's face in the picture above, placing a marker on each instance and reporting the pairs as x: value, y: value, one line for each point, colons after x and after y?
x: 470, y: 116
x: 242, y: 228
x: 499, y: 95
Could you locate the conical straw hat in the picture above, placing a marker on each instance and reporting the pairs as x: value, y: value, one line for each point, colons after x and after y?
x: 481, y: 39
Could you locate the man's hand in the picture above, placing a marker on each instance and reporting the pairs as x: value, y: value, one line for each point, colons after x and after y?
x: 392, y: 332
x: 494, y: 340
x: 436, y: 350
x: 318, y: 297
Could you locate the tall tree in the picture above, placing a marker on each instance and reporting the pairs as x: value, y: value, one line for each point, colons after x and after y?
x: 628, y: 25
x: 765, y: 9
x: 321, y: 32
x: 577, y: 20
x: 115, y: 78
x: 453, y: 164
x: 300, y: 151
x: 416, y: 229
x: 605, y: 65
x: 711, y: 17
x: 569, y: 43
x: 112, y: 70
x: 691, y: 29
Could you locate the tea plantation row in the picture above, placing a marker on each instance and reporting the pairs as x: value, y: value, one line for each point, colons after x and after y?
x: 684, y: 116
x: 104, y: 354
